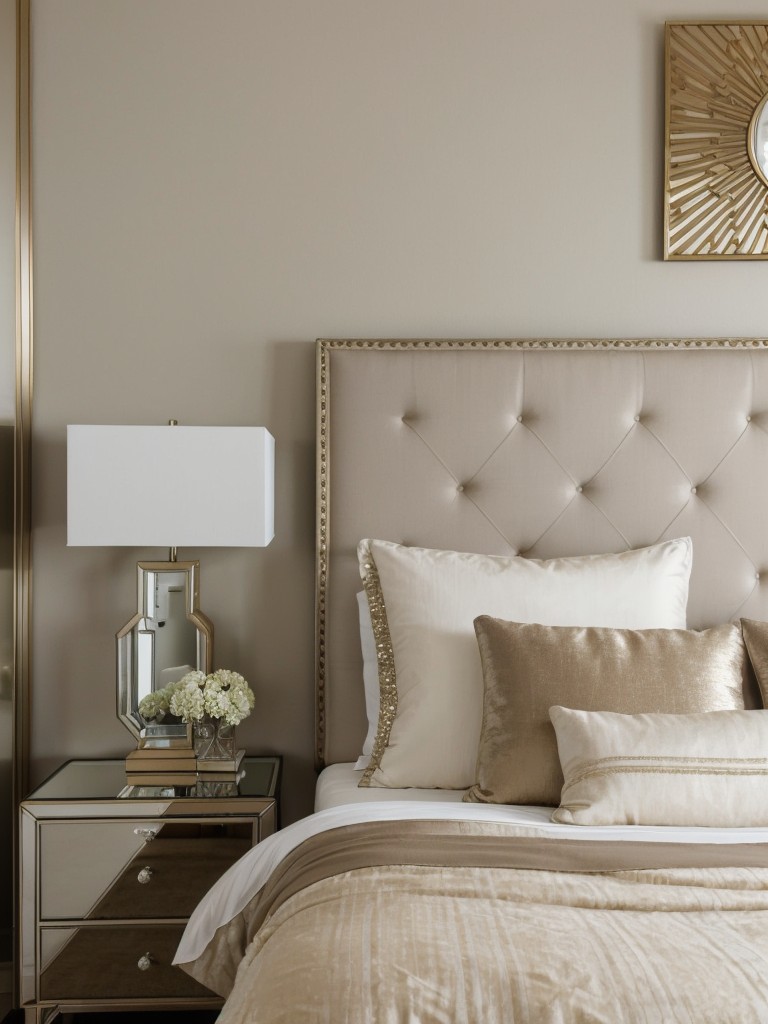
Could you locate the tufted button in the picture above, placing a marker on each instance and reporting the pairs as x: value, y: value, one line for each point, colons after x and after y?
x: 637, y: 419
x: 693, y: 490
x: 579, y: 489
x: 520, y: 418
x: 460, y: 487
x: 757, y: 575
x: 749, y: 419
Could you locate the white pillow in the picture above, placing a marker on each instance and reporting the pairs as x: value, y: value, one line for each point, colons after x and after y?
x: 423, y: 603
x: 707, y: 769
x: 370, y: 678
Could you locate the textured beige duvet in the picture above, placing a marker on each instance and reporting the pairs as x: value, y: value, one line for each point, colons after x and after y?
x: 437, y: 922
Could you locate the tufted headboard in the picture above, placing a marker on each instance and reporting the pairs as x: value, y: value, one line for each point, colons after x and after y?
x: 540, y: 448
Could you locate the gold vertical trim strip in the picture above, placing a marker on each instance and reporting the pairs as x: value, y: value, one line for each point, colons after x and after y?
x: 22, y: 561
x: 22, y: 517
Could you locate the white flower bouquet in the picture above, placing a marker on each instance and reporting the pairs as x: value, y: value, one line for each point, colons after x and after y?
x: 221, y: 694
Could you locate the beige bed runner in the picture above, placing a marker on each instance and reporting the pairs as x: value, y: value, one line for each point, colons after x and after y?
x: 442, y: 921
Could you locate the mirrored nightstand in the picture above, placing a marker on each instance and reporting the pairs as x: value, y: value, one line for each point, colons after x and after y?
x: 110, y: 874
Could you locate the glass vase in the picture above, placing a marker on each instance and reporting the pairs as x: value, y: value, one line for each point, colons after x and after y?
x: 214, y: 739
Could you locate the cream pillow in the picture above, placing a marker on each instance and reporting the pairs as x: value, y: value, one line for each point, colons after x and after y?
x: 528, y: 667
x: 703, y: 769
x: 423, y: 603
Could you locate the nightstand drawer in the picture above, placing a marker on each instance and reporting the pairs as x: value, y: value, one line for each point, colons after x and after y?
x: 102, y: 962
x: 108, y: 870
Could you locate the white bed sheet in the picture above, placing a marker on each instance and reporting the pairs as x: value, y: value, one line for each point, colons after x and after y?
x: 337, y: 785
x: 240, y: 883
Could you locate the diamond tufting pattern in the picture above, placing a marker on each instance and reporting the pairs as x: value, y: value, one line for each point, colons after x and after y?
x: 543, y: 451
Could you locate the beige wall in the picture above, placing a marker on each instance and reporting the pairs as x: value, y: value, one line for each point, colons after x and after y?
x: 216, y: 184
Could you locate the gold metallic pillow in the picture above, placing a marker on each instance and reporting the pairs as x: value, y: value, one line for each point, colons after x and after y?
x: 527, y: 668
x: 756, y: 641
x: 707, y: 770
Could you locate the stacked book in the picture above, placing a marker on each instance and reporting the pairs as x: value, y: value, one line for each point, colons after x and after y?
x: 161, y: 766
x: 215, y: 766
x: 177, y: 766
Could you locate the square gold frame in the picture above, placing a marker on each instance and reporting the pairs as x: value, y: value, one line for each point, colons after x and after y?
x: 716, y: 195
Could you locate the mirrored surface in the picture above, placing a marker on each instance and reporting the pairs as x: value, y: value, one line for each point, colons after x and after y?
x: 168, y: 637
x: 100, y: 780
x: 167, y: 641
x: 758, y: 139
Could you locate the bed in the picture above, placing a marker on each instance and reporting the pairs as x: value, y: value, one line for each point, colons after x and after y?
x: 560, y: 547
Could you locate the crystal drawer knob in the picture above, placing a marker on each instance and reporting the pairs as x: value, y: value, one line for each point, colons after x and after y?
x: 147, y: 834
x: 144, y: 875
x: 145, y: 962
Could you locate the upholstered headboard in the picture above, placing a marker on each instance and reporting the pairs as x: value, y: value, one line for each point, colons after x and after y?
x: 540, y: 448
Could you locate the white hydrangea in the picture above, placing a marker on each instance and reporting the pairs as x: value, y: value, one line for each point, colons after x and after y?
x: 155, y: 704
x: 230, y: 699
x: 187, y: 698
x: 228, y: 696
x: 222, y: 694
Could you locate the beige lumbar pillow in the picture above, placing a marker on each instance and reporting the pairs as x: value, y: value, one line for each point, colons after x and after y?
x: 704, y: 769
x: 423, y: 603
x: 529, y: 667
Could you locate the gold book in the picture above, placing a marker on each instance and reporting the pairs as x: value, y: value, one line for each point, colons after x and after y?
x: 187, y: 764
x: 161, y: 778
x: 155, y: 753
x: 213, y: 765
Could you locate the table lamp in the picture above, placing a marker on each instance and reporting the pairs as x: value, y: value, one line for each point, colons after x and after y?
x: 167, y: 486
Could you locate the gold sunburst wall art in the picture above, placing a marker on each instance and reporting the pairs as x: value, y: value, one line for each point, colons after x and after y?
x: 716, y: 181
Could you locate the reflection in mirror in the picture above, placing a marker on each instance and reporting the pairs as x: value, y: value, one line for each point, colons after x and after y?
x: 168, y: 637
x: 758, y: 139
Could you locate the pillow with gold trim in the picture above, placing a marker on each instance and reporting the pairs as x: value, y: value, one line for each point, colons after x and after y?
x: 707, y: 769
x: 423, y: 603
x: 527, y: 668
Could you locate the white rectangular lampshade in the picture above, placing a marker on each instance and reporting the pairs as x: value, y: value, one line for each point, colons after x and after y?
x: 170, y: 486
